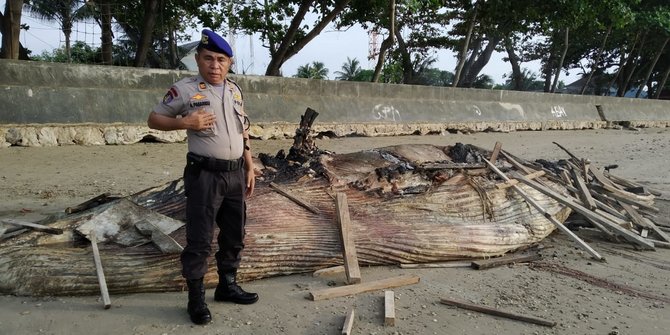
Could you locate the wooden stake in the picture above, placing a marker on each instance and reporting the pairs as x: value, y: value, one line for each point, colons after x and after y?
x: 348, y: 323
x: 295, y: 198
x: 351, y: 268
x: 493, y: 311
x: 496, y: 150
x: 98, y: 270
x: 546, y: 214
x: 342, y: 291
x: 34, y: 226
x: 389, y: 308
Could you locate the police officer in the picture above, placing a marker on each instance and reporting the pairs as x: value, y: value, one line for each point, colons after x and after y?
x: 219, y: 171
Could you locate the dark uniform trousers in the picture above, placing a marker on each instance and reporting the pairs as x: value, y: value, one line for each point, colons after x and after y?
x: 213, y: 196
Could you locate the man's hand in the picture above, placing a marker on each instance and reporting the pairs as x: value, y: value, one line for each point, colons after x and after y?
x: 200, y: 120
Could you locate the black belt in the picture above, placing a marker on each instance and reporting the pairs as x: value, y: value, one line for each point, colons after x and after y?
x: 213, y: 164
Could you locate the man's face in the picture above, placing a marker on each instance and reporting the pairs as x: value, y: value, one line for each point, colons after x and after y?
x: 213, y: 66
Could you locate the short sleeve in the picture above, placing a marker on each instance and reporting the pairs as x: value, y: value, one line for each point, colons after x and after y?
x: 172, y: 104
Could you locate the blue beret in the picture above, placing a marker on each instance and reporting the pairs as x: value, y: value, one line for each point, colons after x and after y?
x: 213, y: 42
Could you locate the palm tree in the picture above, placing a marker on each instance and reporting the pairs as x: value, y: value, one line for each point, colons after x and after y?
x: 351, y: 70
x: 65, y: 12
x: 316, y: 70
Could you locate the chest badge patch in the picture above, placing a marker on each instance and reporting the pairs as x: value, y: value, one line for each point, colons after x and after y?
x: 198, y: 96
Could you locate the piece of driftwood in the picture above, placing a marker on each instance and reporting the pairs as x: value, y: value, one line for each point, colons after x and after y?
x: 504, y: 260
x: 34, y: 226
x: 627, y: 183
x: 497, y: 312
x: 294, y: 198
x: 342, y: 291
x: 546, y: 214
x: 100, y: 272
x: 348, y: 322
x: 101, y: 199
x: 351, y: 268
x: 389, y: 308
x: 452, y: 264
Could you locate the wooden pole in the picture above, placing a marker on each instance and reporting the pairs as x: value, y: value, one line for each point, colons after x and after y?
x: 98, y: 270
x: 294, y: 198
x: 496, y: 312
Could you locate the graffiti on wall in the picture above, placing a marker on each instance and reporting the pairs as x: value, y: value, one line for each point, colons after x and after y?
x: 386, y: 113
x: 558, y: 111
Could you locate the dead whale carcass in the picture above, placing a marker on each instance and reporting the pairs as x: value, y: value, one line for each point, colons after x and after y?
x: 408, y: 204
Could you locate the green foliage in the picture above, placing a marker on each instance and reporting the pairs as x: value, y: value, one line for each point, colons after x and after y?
x: 80, y: 52
x: 350, y: 70
x: 316, y: 70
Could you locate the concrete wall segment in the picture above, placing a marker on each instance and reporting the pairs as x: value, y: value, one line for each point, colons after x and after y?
x: 51, y: 93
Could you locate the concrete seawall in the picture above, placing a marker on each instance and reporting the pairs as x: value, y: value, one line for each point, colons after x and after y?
x: 58, y: 104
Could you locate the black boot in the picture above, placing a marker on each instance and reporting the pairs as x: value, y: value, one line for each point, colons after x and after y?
x: 197, y: 308
x: 228, y: 290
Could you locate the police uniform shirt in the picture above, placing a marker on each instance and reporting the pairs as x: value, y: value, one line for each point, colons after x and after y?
x: 225, y: 139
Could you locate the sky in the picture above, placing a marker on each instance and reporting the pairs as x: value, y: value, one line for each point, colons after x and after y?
x: 331, y: 47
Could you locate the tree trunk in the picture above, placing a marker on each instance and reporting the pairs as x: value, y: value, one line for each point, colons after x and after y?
x: 408, y: 73
x: 515, y: 61
x: 106, y: 36
x: 289, y: 46
x: 559, y: 66
x: 482, y: 59
x: 624, y: 61
x: 661, y: 84
x: 464, y: 49
x: 146, y: 37
x: 651, y: 67
x: 386, y: 44
x: 11, y: 26
x: 597, y: 60
x: 632, y: 64
x: 475, y: 48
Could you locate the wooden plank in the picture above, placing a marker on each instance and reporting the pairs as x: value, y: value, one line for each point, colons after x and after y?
x: 99, y: 271
x: 295, y: 198
x: 656, y: 229
x: 627, y: 199
x: 455, y: 264
x: 496, y: 312
x: 389, y: 308
x: 627, y: 234
x: 164, y: 242
x: 627, y: 183
x: 496, y: 151
x: 508, y: 184
x: 546, y: 214
x: 348, y: 323
x: 328, y: 271
x: 342, y: 291
x: 600, y: 177
x: 34, y: 226
x: 584, y: 193
x: 351, y: 268
x: 509, y: 259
